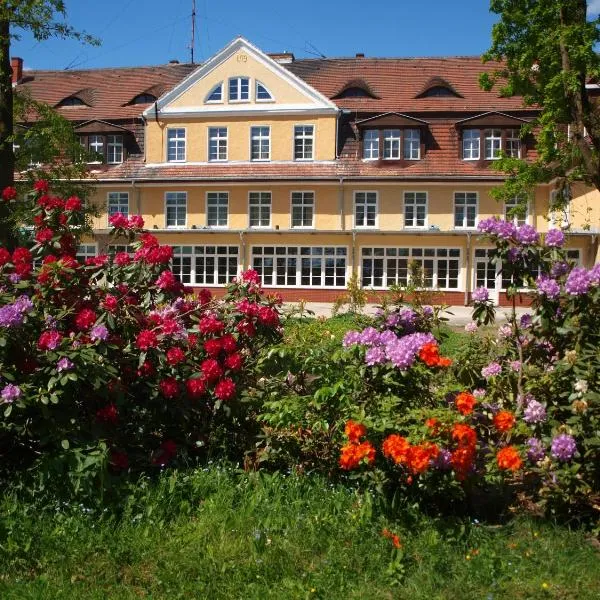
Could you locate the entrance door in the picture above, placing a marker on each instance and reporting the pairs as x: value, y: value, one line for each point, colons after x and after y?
x: 487, y: 273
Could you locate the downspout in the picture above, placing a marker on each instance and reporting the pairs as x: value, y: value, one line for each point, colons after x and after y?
x: 341, y: 200
x: 468, y: 282
x: 353, y: 251
x: 138, y: 200
x: 243, y: 242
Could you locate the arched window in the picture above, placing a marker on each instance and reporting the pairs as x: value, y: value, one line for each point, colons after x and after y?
x: 71, y: 101
x: 216, y: 94
x: 143, y: 99
x: 262, y: 93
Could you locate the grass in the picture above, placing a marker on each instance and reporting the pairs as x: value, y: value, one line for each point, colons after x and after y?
x: 218, y: 533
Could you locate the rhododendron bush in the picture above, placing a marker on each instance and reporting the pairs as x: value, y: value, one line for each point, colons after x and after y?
x: 113, y: 363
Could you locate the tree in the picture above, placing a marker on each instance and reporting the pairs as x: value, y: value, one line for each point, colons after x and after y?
x: 547, y: 49
x: 40, y: 18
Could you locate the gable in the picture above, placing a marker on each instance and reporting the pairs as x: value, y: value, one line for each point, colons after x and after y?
x: 240, y: 59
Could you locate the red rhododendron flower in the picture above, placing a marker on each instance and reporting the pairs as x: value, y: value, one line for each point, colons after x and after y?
x: 136, y: 222
x: 73, y: 203
x: 49, y: 340
x: 85, y: 318
x: 4, y: 256
x: 170, y: 326
x: 204, y: 296
x: 43, y: 236
x: 192, y: 339
x: 353, y: 454
x: 210, y: 325
x: 396, y: 447
x: 354, y: 431
x: 110, y: 303
x: 229, y: 344
x: 464, y: 435
x: 23, y: 269
x: 167, y: 450
x: 9, y: 193
x: 41, y: 186
x: 212, y: 369
x: 504, y: 421
x: 146, y: 370
x: 268, y: 316
x: 246, y: 328
x: 167, y: 281
x: 146, y: 339
x: 225, y: 389
x: 175, y: 356
x: 121, y: 259
x: 118, y: 460
x: 234, y: 362
x: 251, y: 276
x: 21, y: 255
x: 465, y: 403
x: 118, y: 220
x: 508, y: 459
x: 108, y: 414
x: 169, y: 387
x: 196, y: 387
x: 213, y: 347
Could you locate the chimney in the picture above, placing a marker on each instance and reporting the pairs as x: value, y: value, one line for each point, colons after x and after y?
x: 360, y: 55
x: 283, y: 58
x: 16, y: 64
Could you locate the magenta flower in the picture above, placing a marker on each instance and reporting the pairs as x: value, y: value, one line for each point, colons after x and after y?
x: 555, y: 238
x: 481, y: 294
x: 10, y: 393
x: 578, y: 282
x: 491, y: 370
x: 527, y: 235
x: 563, y: 447
x: 548, y: 287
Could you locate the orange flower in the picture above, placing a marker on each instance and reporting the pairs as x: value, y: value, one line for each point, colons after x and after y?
x: 434, y: 425
x: 353, y: 454
x: 508, y: 459
x: 386, y: 533
x: 464, y: 435
x: 504, y: 421
x: 444, y: 361
x: 354, y: 431
x: 462, y: 460
x: 420, y: 456
x: 396, y: 447
x: 430, y: 354
x: 465, y: 403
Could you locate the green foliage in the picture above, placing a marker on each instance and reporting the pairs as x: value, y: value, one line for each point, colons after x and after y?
x: 355, y: 297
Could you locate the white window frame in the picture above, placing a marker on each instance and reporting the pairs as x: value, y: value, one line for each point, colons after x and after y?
x: 259, y: 202
x: 408, y: 148
x: 366, y: 205
x: 301, y: 254
x: 181, y: 195
x: 114, y: 145
x: 207, y: 100
x: 410, y: 199
x: 261, y: 84
x: 260, y: 138
x: 392, y: 141
x: 410, y: 254
x: 179, y: 142
x: 512, y: 141
x: 113, y: 249
x: 371, y: 150
x: 214, y: 134
x: 219, y: 196
x: 493, y: 144
x: 306, y: 200
x: 120, y: 200
x: 513, y: 203
x: 303, y: 137
x: 469, y: 151
x: 92, y: 147
x: 239, y: 79
x: 221, y: 255
x: 85, y: 251
x: 465, y: 214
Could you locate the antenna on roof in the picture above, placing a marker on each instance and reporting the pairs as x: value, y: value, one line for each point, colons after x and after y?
x: 193, y: 29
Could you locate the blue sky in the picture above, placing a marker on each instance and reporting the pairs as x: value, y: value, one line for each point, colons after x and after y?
x: 148, y: 32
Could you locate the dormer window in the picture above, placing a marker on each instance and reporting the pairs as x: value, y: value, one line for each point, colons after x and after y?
x: 438, y: 87
x: 144, y: 99
x: 239, y: 89
x: 357, y: 88
x: 71, y: 101
x: 106, y: 148
x: 262, y: 93
x: 496, y: 142
x: 216, y: 94
x: 438, y: 91
x: 397, y: 144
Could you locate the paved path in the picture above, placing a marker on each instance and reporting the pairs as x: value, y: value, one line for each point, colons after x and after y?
x: 457, y: 315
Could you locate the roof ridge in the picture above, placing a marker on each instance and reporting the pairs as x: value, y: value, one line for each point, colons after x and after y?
x: 66, y: 71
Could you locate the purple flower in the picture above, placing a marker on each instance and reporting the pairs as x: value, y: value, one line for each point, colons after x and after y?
x: 10, y: 393
x: 393, y: 320
x: 428, y: 311
x: 481, y: 294
x: 505, y: 331
x: 515, y: 365
x: 403, y: 351
x: 555, y: 238
x: 514, y: 254
x: 527, y: 235
x: 535, y: 450
x: 369, y: 336
x: 98, y: 332
x: 505, y: 230
x: 64, y: 364
x: 375, y: 356
x: 443, y: 460
x: 491, y: 370
x: 535, y: 412
x: 479, y: 393
x: 487, y: 225
x: 12, y: 315
x: 578, y: 282
x: 351, y: 338
x: 548, y: 287
x: 408, y: 318
x: 559, y: 268
x: 471, y: 327
x: 595, y: 274
x: 526, y: 321
x: 14, y: 278
x: 563, y: 447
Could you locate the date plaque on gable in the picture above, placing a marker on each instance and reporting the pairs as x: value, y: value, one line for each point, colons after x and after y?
x: 242, y: 58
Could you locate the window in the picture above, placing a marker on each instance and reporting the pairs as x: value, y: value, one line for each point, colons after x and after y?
x: 516, y: 210
x: 296, y: 266
x: 176, y: 145
x: 216, y: 94
x: 71, y: 101
x: 176, y: 209
x: 303, y: 142
x: 143, y: 99
x: 113, y: 249
x: 465, y: 210
x: 260, y: 143
x: 114, y: 149
x: 383, y: 267
x: 262, y: 93
x: 303, y: 209
x: 412, y: 144
x: 217, y: 143
x: 96, y: 145
x: 391, y: 144
x: 371, y: 144
x: 217, y: 209
x: 471, y: 144
x: 260, y: 209
x: 493, y: 144
x: 512, y: 145
x: 365, y: 209
x: 239, y: 89
x: 205, y: 265
x: 85, y: 251
x: 118, y: 202
x: 415, y: 209
x: 574, y: 256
